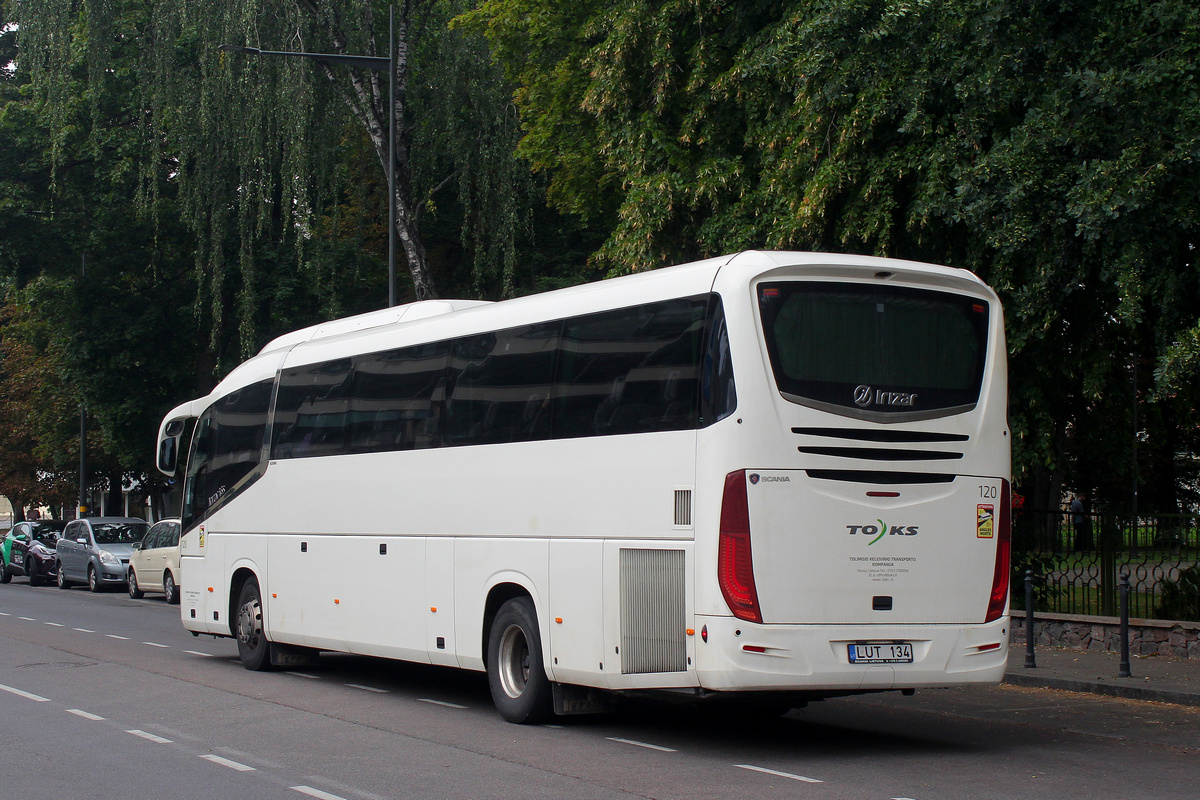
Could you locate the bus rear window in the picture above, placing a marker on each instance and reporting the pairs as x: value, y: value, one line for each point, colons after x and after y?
x: 875, y: 352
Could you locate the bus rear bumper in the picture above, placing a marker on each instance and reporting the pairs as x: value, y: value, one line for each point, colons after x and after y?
x: 744, y: 656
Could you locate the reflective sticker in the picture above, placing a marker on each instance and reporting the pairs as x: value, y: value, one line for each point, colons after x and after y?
x: 985, y: 521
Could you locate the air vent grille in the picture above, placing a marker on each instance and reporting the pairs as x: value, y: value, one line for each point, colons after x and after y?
x: 653, y: 638
x: 683, y: 508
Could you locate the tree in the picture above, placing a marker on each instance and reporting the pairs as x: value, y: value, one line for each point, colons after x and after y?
x: 1049, y: 147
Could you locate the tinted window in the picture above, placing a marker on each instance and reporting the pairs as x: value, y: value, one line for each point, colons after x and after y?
x: 118, y: 532
x: 875, y: 348
x: 46, y: 531
x: 718, y: 395
x: 630, y: 371
x: 311, y: 410
x: 501, y: 385
x: 397, y: 399
x: 226, y: 446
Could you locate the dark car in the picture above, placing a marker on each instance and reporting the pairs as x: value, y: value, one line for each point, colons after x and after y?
x: 30, y: 549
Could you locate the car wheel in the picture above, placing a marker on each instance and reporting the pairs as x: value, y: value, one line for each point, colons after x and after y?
x: 253, y: 647
x: 31, y: 571
x: 520, y: 688
x: 170, y: 590
x: 5, y: 575
x: 61, y: 580
x: 134, y: 592
x: 93, y: 578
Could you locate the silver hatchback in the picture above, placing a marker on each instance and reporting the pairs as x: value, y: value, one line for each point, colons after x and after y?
x: 97, y: 550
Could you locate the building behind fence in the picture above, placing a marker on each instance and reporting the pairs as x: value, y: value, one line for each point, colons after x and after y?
x: 1077, y: 564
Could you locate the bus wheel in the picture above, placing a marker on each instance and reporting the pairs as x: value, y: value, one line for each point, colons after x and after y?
x: 253, y: 647
x: 520, y: 688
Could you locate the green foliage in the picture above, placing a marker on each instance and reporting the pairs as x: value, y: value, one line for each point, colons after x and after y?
x: 1181, y: 598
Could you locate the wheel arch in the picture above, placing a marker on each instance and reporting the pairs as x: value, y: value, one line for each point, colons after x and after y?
x: 239, y: 578
x: 497, y: 596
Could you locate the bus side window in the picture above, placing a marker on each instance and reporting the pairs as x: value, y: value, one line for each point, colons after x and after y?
x: 397, y: 399
x: 718, y: 396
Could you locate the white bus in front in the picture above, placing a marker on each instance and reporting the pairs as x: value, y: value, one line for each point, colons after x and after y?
x: 779, y: 474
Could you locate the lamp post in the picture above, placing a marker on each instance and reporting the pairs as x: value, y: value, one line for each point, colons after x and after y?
x: 368, y: 62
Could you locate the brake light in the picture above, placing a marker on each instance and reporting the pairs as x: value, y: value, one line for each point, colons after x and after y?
x: 999, y: 598
x: 735, y: 567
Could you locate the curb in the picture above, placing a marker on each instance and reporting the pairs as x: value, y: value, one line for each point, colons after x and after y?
x: 1106, y: 689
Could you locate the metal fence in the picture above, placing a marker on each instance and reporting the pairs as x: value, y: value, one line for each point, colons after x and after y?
x: 1077, y: 561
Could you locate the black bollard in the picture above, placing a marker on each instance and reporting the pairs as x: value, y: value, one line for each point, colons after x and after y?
x: 1030, y: 661
x: 1124, y: 667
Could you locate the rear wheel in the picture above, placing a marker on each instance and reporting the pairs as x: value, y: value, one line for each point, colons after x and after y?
x: 5, y: 575
x: 253, y: 647
x: 170, y: 589
x: 134, y: 592
x: 520, y: 688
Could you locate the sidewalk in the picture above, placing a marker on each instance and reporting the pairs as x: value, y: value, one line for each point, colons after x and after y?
x: 1157, y: 678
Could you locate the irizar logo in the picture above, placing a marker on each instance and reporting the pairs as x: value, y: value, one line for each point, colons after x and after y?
x: 866, y: 396
x: 877, y: 532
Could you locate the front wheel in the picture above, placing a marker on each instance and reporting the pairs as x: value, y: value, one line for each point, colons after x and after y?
x: 134, y: 592
x: 253, y: 647
x: 61, y: 580
x: 93, y: 578
x: 170, y: 589
x: 520, y: 688
x: 31, y: 571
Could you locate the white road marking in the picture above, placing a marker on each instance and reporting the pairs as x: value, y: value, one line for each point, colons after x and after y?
x: 367, y: 688
x: 225, y: 762
x: 647, y: 745
x: 85, y: 714
x: 56, y: 624
x: 5, y: 614
x: 26, y: 695
x: 198, y: 653
x: 441, y: 703
x: 114, y: 636
x: 28, y: 619
x: 156, y: 644
x: 150, y: 737
x: 303, y: 675
x: 82, y: 630
x: 317, y: 793
x: 776, y: 772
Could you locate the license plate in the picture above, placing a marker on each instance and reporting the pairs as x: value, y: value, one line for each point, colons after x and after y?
x: 881, y: 653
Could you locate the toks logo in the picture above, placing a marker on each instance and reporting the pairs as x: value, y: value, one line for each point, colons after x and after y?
x: 880, y: 530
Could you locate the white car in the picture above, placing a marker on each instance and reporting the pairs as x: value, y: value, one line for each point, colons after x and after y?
x: 154, y: 563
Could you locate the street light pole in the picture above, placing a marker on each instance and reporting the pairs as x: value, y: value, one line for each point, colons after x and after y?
x: 378, y: 64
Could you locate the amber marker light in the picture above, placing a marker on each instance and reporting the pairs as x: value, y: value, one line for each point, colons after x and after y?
x: 558, y: 620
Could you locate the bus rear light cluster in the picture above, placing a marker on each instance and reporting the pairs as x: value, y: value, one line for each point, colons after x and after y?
x: 999, y: 597
x: 735, y: 567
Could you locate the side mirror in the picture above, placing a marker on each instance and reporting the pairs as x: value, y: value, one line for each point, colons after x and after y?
x: 81, y: 540
x: 168, y: 455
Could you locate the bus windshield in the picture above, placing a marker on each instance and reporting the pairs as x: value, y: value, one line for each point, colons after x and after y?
x: 867, y: 348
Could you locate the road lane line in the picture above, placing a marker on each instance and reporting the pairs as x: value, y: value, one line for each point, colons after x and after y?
x: 777, y: 773
x: 150, y: 737
x: 647, y: 745
x: 27, y: 695
x: 317, y: 793
x: 28, y: 619
x: 304, y: 675
x: 82, y: 630
x: 114, y: 636
x: 441, y: 703
x: 56, y: 624
x: 5, y: 614
x: 367, y: 688
x: 225, y: 762
x: 156, y: 644
x: 198, y: 653
x: 79, y: 712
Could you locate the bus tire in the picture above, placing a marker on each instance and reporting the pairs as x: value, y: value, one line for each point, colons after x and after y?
x: 516, y: 677
x: 253, y: 647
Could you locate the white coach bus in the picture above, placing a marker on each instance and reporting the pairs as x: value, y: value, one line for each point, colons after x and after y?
x: 778, y: 474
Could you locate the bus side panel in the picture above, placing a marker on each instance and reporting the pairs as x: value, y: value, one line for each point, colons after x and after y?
x: 576, y: 610
x: 379, y: 584
x: 437, y: 612
x: 301, y: 593
x: 482, y: 564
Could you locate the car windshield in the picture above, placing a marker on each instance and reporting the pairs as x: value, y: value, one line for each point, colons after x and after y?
x: 119, y: 532
x: 47, y: 532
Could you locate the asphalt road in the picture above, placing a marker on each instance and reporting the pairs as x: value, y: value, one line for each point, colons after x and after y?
x: 102, y: 696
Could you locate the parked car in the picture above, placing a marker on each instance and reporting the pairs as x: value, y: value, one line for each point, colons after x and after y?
x: 29, y: 549
x: 154, y: 564
x: 96, y: 550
